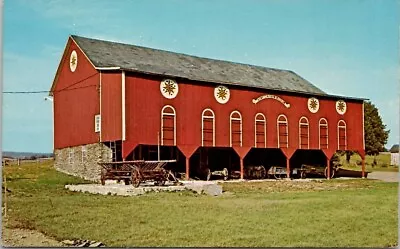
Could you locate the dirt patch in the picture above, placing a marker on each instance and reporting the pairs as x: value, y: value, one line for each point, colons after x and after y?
x: 293, y: 186
x: 16, y: 237
x: 384, y: 176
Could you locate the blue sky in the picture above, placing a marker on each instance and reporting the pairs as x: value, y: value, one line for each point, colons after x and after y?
x: 344, y: 47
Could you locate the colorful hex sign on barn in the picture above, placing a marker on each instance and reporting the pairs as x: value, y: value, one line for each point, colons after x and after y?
x: 169, y: 88
x: 341, y: 107
x: 73, y: 61
x: 313, y: 105
x: 222, y: 94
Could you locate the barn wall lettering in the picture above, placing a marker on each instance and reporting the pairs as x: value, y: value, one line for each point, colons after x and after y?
x: 270, y: 96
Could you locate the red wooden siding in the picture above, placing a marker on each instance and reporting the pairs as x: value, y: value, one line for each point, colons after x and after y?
x: 111, y: 106
x: 144, y: 103
x: 76, y: 101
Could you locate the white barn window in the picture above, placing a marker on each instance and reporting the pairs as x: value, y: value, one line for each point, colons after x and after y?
x: 236, y: 129
x: 260, y: 131
x: 208, y: 128
x: 342, y: 136
x: 283, y: 135
x: 168, y: 126
x: 84, y: 154
x: 304, y: 133
x: 97, y: 123
x: 323, y: 133
x: 71, y: 156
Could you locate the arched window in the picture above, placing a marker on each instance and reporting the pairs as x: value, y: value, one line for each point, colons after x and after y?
x: 342, y: 139
x: 304, y: 136
x: 168, y: 126
x: 260, y: 131
x: 236, y: 129
x: 323, y: 133
x: 282, y: 127
x: 207, y: 128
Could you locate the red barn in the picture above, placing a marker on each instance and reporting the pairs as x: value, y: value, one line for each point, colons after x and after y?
x: 116, y: 101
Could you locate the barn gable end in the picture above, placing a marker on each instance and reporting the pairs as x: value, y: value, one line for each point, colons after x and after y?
x: 76, y: 99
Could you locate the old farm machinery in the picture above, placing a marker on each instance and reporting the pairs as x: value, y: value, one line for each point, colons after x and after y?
x: 136, y: 172
x: 250, y: 172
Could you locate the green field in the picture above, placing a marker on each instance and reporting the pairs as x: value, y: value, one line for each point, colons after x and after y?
x: 382, y: 163
x: 324, y: 213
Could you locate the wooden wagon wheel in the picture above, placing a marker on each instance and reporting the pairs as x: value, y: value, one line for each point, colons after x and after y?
x: 161, y: 181
x: 171, y: 176
x: 225, y: 173
x: 135, y: 177
x: 103, y: 176
x: 326, y: 173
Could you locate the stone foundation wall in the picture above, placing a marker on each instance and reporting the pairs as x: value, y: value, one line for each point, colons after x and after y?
x: 81, y: 161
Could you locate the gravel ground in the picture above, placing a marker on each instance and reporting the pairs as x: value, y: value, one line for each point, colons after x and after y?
x: 26, y: 238
x: 384, y: 176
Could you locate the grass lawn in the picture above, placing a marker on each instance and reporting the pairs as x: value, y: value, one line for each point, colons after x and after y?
x: 382, y: 160
x: 258, y: 214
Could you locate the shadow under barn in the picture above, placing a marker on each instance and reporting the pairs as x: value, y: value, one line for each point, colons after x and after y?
x: 208, y: 163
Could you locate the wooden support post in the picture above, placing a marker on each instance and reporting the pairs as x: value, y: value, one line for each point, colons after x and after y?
x: 241, y: 169
x: 363, y: 166
x: 287, y: 168
x: 187, y: 168
x: 328, y: 165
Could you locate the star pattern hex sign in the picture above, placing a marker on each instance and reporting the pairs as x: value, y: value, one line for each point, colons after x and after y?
x: 313, y: 105
x: 73, y: 61
x: 222, y: 94
x: 169, y: 88
x: 341, y: 107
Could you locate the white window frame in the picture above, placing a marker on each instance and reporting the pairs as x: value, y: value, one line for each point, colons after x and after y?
x: 230, y: 127
x: 204, y: 117
x: 84, y: 154
x: 257, y: 120
x: 308, y: 131
x: 97, y: 123
x: 345, y: 133
x: 70, y: 155
x: 162, y: 122
x: 287, y: 129
x: 327, y: 132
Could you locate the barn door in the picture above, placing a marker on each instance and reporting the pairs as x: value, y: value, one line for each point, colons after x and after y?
x: 168, y: 126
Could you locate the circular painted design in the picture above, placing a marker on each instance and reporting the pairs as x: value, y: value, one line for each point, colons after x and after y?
x: 73, y: 61
x: 222, y: 94
x: 313, y: 105
x: 341, y: 107
x: 169, y: 88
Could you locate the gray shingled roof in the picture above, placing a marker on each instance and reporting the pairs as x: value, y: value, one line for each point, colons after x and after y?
x: 154, y: 61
